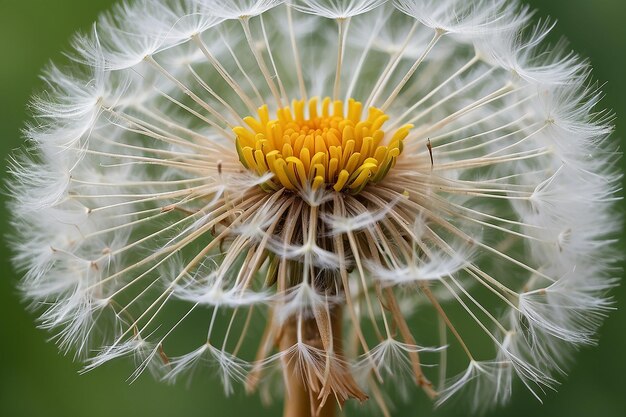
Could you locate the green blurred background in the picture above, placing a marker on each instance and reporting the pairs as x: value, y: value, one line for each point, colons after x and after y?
x: 36, y: 381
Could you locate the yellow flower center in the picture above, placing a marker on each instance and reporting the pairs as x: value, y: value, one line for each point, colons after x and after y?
x: 325, y: 148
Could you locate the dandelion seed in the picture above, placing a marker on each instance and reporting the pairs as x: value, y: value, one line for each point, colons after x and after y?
x: 289, y: 184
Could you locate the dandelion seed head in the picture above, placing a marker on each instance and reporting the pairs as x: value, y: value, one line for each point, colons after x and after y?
x: 318, y: 190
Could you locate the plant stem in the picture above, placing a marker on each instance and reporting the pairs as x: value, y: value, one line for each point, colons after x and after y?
x: 297, y: 402
x: 298, y: 396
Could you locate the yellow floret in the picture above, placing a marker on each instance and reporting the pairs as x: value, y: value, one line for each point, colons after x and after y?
x: 325, y: 148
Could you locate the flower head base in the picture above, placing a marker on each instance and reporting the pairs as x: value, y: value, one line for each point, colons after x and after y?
x: 329, y: 147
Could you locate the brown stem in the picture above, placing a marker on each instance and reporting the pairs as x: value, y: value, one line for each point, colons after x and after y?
x: 297, y: 403
x: 298, y: 396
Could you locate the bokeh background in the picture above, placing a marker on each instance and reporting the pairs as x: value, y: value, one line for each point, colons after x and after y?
x: 35, y: 381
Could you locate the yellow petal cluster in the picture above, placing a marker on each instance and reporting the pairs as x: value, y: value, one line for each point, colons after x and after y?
x: 314, y: 145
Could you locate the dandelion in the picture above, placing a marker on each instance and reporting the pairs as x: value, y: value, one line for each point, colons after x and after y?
x: 344, y: 195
